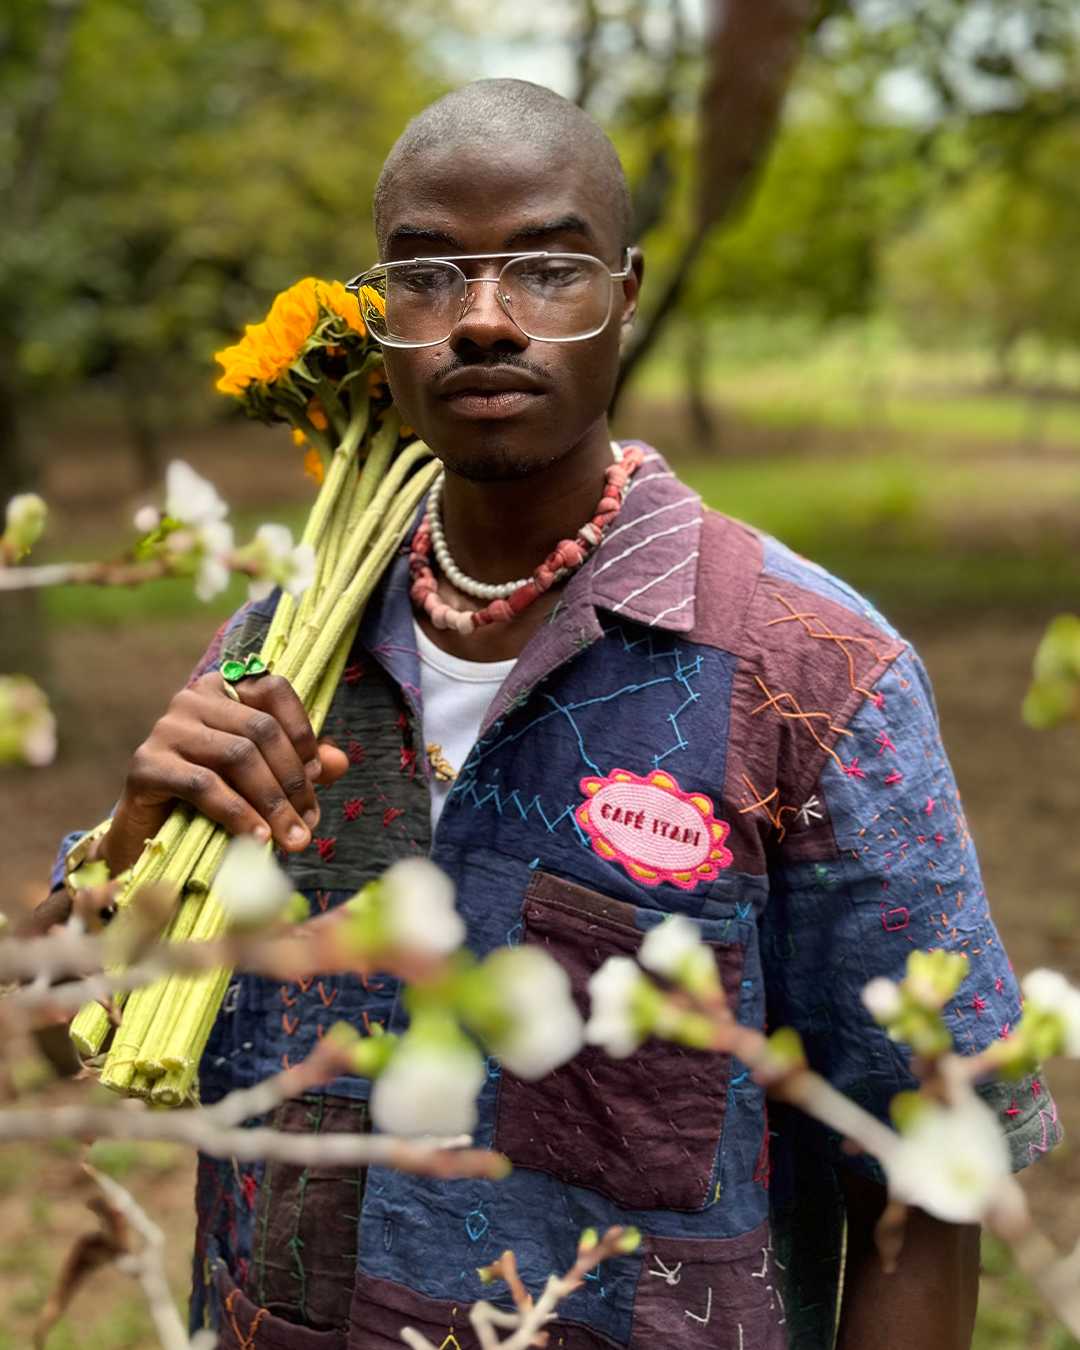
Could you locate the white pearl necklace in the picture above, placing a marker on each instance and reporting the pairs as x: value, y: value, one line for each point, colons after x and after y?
x: 479, y: 590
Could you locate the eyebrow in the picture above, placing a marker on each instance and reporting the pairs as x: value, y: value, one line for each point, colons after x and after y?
x: 568, y: 224
x: 403, y: 234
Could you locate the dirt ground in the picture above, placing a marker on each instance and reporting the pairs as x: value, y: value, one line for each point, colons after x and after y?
x: 1021, y: 790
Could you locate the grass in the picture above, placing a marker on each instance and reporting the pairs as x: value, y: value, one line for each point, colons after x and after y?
x: 1012, y: 1314
x: 863, y: 376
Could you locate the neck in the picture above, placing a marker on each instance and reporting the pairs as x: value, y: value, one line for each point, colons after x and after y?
x: 501, y: 531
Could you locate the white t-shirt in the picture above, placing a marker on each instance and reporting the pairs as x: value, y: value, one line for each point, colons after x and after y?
x: 456, y: 696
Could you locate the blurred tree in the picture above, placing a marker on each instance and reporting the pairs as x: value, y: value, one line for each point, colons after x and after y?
x: 995, y: 257
x: 194, y: 158
x: 165, y: 167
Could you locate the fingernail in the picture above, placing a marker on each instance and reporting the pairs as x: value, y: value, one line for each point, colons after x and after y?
x: 311, y: 818
x: 314, y: 767
x: 262, y: 833
x: 297, y: 836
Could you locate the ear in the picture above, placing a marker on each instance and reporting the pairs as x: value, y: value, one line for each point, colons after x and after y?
x: 631, y: 287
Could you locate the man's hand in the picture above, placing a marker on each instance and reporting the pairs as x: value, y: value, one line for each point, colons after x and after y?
x: 250, y: 766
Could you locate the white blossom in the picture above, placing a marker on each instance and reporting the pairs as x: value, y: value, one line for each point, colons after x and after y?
x: 612, y: 1023
x: 215, y: 541
x: 39, y: 739
x: 430, y: 1086
x: 190, y: 498
x: 419, y: 907
x: 1050, y: 992
x: 545, y: 1026
x: 951, y: 1162
x: 27, y: 725
x: 674, y: 949
x: 249, y: 885
x: 882, y: 999
x: 291, y: 567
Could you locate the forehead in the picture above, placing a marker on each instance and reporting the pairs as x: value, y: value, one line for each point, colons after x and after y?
x: 475, y: 198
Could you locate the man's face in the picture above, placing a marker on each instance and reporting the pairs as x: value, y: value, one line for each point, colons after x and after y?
x: 492, y: 403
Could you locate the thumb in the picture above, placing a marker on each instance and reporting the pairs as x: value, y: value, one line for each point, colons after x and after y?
x: 333, y: 759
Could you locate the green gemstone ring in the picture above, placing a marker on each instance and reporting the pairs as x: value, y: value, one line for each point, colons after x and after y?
x: 232, y: 671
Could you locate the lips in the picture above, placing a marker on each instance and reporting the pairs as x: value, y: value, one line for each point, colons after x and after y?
x: 489, y: 380
x: 490, y: 392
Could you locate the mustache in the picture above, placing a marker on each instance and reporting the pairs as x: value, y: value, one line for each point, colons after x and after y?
x: 490, y: 361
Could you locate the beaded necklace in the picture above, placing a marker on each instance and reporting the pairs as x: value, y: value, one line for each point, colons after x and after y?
x: 510, y: 597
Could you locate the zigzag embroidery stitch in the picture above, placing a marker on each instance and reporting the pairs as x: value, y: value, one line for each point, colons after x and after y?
x: 827, y: 635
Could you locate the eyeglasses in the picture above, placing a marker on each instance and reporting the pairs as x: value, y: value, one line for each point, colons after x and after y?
x: 551, y: 297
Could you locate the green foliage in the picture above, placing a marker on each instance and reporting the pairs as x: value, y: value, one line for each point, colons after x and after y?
x: 996, y: 256
x: 1054, y: 695
x: 833, y: 186
x: 198, y: 158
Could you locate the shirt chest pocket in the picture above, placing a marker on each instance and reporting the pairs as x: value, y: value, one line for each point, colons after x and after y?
x: 643, y: 1131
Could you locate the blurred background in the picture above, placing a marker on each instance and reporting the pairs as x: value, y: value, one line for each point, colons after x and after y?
x: 861, y: 332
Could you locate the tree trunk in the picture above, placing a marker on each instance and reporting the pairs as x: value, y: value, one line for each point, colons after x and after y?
x: 753, y: 49
x: 695, y: 364
x: 22, y: 641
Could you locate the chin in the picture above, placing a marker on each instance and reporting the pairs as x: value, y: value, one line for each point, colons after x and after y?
x: 491, y: 459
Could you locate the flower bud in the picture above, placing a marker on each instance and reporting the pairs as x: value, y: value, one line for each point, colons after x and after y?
x: 147, y: 519
x: 250, y: 887
x: 882, y: 999
x: 26, y: 514
x: 430, y: 1084
x: 536, y: 1026
x: 675, y: 951
x: 1047, y: 993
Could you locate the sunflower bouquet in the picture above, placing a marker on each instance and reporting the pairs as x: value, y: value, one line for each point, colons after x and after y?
x: 313, y: 364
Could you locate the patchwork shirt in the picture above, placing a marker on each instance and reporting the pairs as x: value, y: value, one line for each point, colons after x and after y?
x: 708, y: 725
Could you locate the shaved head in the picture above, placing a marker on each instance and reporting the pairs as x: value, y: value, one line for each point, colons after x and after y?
x: 507, y: 117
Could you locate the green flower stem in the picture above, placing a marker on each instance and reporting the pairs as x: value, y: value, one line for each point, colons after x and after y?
x: 91, y: 1023
x: 338, y: 479
x: 169, y: 1020
x: 348, y: 607
x: 361, y: 534
x: 324, y: 696
x: 332, y: 404
x: 125, y: 1058
x: 175, y: 1087
x: 381, y: 448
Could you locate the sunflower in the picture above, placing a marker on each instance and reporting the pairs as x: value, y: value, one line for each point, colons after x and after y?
x: 335, y: 297
x: 269, y: 348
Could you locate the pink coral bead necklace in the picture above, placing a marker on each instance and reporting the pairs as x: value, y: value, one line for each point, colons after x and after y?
x: 510, y: 597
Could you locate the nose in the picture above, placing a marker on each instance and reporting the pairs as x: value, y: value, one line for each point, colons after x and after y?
x: 484, y: 323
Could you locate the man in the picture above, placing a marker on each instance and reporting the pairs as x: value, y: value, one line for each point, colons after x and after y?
x: 701, y: 671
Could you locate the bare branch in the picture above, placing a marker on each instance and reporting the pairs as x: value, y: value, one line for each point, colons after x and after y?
x: 148, y: 1267
x: 216, y: 1130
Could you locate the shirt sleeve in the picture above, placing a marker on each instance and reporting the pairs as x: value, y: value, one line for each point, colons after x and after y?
x: 890, y: 867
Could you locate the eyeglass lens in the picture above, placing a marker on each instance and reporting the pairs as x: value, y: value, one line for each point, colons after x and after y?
x: 553, y: 297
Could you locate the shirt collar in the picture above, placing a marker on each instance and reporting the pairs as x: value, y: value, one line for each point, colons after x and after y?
x: 645, y: 569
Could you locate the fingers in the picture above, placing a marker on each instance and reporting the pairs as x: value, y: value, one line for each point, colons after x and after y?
x: 249, y: 762
x: 205, y: 789
x: 269, y: 749
x: 275, y: 696
x: 333, y: 761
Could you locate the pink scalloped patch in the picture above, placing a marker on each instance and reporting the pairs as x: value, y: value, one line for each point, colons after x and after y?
x: 655, y: 829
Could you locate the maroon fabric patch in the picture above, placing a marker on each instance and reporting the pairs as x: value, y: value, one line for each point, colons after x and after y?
x: 709, y: 1294
x: 246, y: 1326
x: 381, y: 1308
x: 304, y: 1249
x: 643, y: 1131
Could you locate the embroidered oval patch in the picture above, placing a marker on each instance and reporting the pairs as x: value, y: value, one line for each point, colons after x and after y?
x: 657, y: 831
